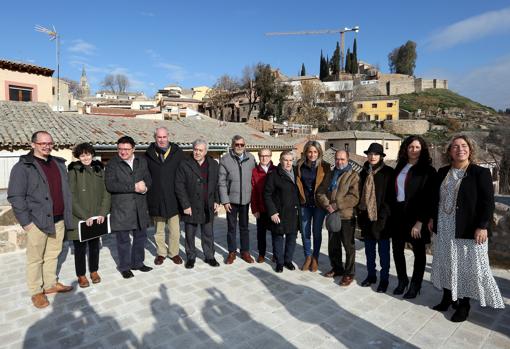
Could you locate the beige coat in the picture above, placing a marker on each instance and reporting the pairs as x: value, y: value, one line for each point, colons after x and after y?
x: 345, y: 196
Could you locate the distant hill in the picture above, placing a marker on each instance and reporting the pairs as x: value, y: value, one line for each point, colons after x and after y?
x: 433, y: 99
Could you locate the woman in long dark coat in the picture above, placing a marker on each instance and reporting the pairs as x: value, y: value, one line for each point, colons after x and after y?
x: 281, y: 196
x: 377, y: 193
x: 463, y: 211
x: 414, y: 183
x: 90, y: 199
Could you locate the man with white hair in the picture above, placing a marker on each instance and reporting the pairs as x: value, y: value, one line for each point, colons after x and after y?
x: 196, y: 187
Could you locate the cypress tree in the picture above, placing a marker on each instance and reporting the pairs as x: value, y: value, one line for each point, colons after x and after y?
x: 303, y: 70
x: 335, y: 60
x: 348, y: 61
x: 354, y: 63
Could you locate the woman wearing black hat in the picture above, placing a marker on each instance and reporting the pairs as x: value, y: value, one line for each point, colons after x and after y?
x: 414, y: 183
x: 377, y: 193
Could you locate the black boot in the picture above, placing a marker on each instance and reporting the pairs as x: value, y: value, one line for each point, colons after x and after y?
x: 462, y: 312
x: 401, y: 287
x: 369, y: 281
x: 383, y: 286
x: 446, y: 301
x: 413, y: 291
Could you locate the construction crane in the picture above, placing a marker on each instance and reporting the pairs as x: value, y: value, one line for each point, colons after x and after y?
x: 321, y: 32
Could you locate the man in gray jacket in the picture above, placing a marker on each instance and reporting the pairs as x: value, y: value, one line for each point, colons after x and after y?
x: 40, y: 198
x: 127, y: 179
x: 235, y: 194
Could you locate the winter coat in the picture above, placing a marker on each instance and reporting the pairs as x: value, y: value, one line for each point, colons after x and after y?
x: 161, y: 196
x: 29, y: 194
x: 475, y: 201
x: 281, y: 195
x: 129, y: 208
x: 346, y: 194
x: 235, y: 178
x: 258, y: 180
x: 323, y: 170
x: 385, y: 197
x: 189, y: 190
x: 88, y: 190
x: 419, y: 189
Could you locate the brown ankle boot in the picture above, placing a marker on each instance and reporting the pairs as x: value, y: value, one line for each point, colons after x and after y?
x: 314, y: 265
x: 307, y: 263
x: 94, y: 276
x: 230, y: 258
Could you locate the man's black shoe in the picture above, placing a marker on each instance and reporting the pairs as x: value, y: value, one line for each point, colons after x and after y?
x: 369, y: 281
x: 289, y: 266
x: 143, y: 268
x: 279, y: 268
x: 127, y: 274
x: 190, y: 264
x: 212, y: 262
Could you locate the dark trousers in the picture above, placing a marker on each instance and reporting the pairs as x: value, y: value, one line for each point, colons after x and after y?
x: 206, y: 238
x: 418, y: 245
x: 131, y: 256
x: 80, y: 253
x: 240, y: 211
x: 280, y: 254
x: 343, y: 237
x: 384, y: 257
x: 263, y: 224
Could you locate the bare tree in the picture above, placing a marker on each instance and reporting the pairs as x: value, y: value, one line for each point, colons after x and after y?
x: 74, y: 87
x: 248, y: 84
x: 108, y: 82
x: 122, y: 82
x: 221, y: 94
x: 116, y: 83
x: 310, y: 93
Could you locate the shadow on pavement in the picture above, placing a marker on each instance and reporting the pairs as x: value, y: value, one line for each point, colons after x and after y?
x: 347, y: 328
x: 73, y: 322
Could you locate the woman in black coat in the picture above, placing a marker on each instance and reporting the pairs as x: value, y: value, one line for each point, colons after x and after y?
x: 414, y: 184
x: 377, y: 193
x: 463, y: 211
x: 281, y: 196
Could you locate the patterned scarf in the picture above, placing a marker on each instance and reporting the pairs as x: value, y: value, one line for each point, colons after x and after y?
x: 368, y: 200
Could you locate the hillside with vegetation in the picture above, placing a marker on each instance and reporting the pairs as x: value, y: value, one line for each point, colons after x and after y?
x: 440, y: 99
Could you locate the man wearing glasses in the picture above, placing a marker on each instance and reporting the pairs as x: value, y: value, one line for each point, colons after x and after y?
x: 41, y: 200
x: 235, y: 194
x: 127, y: 179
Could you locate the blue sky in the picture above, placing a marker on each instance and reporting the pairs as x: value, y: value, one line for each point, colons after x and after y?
x: 157, y: 43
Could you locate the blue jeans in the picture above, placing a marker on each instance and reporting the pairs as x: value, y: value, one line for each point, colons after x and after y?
x: 384, y: 257
x: 309, y: 214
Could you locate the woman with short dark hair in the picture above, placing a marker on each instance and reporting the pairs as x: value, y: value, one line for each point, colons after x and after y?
x: 464, y: 205
x: 414, y: 183
x: 90, y: 199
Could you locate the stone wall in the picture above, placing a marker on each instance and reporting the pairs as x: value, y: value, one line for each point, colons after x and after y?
x: 12, y: 236
x: 500, y: 239
x: 407, y: 127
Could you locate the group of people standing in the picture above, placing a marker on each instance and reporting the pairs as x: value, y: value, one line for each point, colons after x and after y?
x: 405, y: 204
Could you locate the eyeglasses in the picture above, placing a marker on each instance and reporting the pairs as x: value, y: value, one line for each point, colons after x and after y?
x: 240, y: 145
x: 124, y: 149
x: 265, y: 156
x: 44, y: 144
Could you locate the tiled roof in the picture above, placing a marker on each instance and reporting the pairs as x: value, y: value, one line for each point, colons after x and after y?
x: 25, y: 68
x: 358, y: 135
x: 18, y: 120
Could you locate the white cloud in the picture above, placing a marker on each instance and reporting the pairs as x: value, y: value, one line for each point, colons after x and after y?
x: 83, y: 47
x: 175, y: 72
x: 489, y: 85
x: 470, y: 29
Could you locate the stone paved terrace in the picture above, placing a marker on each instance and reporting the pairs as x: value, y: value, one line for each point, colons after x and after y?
x: 237, y: 306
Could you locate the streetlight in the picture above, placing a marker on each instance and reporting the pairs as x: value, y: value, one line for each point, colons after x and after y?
x: 53, y: 36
